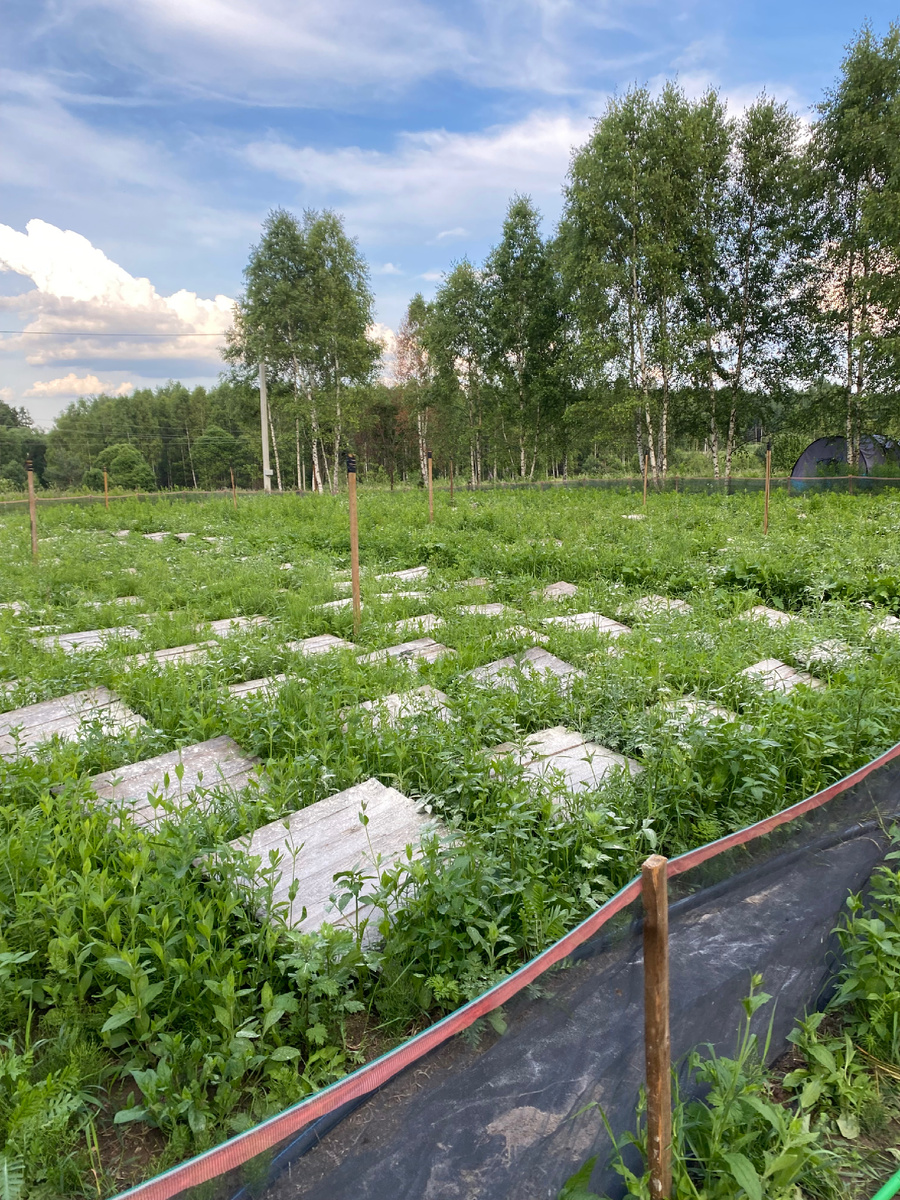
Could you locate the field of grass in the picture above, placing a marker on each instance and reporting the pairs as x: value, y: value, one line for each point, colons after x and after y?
x: 146, y: 1009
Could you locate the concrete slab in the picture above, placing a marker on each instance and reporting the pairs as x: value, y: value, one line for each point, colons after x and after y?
x: 400, y: 706
x: 504, y: 672
x: 65, y: 718
x: 120, y: 600
x: 633, y: 517
x: 692, y: 708
x: 122, y: 533
x: 557, y: 591
x: 405, y: 595
x: 590, y: 620
x: 423, y: 624
x: 253, y: 686
x: 887, y: 625
x: 316, y: 843
x: 229, y: 625
x: 218, y: 764
x: 776, y: 676
x: 522, y: 631
x: 653, y: 606
x: 583, y: 763
x: 192, y: 652
x: 488, y: 610
x: 156, y: 537
x: 425, y: 648
x: 478, y: 582
x: 407, y: 575
x: 772, y: 616
x: 14, y: 606
x: 337, y: 605
x: 89, y: 639
x: 322, y: 643
x: 831, y: 653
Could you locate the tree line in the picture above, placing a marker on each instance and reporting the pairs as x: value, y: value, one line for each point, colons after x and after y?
x: 713, y: 280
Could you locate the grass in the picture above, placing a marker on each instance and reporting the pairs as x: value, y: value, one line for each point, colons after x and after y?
x: 145, y: 1013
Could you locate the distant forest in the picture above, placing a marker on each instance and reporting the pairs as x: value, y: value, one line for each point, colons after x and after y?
x: 713, y: 281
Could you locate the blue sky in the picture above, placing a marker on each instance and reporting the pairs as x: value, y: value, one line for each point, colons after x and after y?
x: 145, y: 140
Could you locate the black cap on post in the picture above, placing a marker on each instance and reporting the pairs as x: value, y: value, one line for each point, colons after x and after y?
x: 351, y: 464
x: 429, y: 453
x: 29, y: 465
x: 769, y: 444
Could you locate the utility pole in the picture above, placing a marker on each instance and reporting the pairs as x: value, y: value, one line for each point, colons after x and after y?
x: 264, y: 421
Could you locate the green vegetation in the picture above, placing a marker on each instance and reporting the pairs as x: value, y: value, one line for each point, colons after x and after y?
x: 146, y: 1012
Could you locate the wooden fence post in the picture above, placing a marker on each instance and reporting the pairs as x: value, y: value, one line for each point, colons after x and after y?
x: 768, y: 485
x: 106, y: 488
x: 657, y: 1043
x: 354, y: 543
x: 646, y: 463
x: 32, y: 508
x: 430, y: 490
x: 451, y: 480
x: 233, y: 488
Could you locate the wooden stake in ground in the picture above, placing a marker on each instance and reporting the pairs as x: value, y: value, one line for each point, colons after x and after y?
x: 451, y: 480
x: 233, y: 488
x: 264, y: 423
x: 646, y: 462
x: 354, y: 543
x: 768, y: 485
x: 657, y: 1044
x: 430, y: 490
x: 32, y: 508
x: 106, y: 489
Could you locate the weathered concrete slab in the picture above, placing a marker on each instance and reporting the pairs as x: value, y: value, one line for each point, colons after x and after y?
x: 478, y: 582
x: 522, y: 631
x: 633, y: 517
x: 692, y: 708
x: 505, y: 671
x: 488, y: 610
x: 122, y: 533
x: 401, y: 706
x: 423, y: 624
x: 229, y: 625
x: 830, y: 653
x: 406, y: 576
x: 583, y: 763
x: 590, y: 620
x: 405, y: 595
x: 425, y: 648
x: 336, y: 605
x: 192, y: 652
x: 64, y: 718
x: 776, y: 676
x: 120, y: 600
x: 157, y: 537
x: 557, y: 591
x: 316, y: 843
x: 887, y: 625
x: 772, y: 616
x: 183, y: 537
x: 653, y: 606
x: 322, y: 643
x: 89, y: 639
x: 14, y: 606
x: 218, y: 764
x: 253, y: 686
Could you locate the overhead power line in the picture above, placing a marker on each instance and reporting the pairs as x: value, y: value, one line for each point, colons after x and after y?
x: 75, y: 333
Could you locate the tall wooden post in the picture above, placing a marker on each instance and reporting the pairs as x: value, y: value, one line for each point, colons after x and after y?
x: 106, y: 488
x: 451, y: 480
x: 656, y: 1026
x: 32, y: 508
x: 233, y: 488
x: 768, y: 485
x: 354, y: 543
x: 430, y: 490
x: 264, y: 423
x: 646, y: 464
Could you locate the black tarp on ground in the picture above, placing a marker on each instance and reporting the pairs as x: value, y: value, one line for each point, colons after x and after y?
x: 499, y: 1120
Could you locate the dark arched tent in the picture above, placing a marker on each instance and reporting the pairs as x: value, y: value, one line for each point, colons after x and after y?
x: 827, y: 456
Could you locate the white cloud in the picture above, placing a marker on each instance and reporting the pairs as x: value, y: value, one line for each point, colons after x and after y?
x: 7, y: 395
x: 79, y: 291
x: 432, y: 276
x: 455, y: 180
x: 448, y: 234
x: 388, y: 269
x: 72, y: 385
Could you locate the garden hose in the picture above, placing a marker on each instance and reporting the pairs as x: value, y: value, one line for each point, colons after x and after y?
x: 889, y: 1189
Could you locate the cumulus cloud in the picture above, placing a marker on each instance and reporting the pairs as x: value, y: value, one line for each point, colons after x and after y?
x: 7, y: 395
x: 92, y: 307
x: 452, y: 180
x: 388, y: 268
x: 72, y: 385
x: 448, y: 234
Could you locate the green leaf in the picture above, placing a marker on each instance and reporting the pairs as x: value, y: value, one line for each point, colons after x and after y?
x: 124, y: 1115
x: 12, y: 1178
x: 118, y: 1019
x: 284, y: 1054
x: 577, y: 1186
x: 811, y: 1093
x: 745, y: 1175
x: 848, y: 1124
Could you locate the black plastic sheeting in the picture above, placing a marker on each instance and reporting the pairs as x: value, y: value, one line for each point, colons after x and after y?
x: 500, y: 1119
